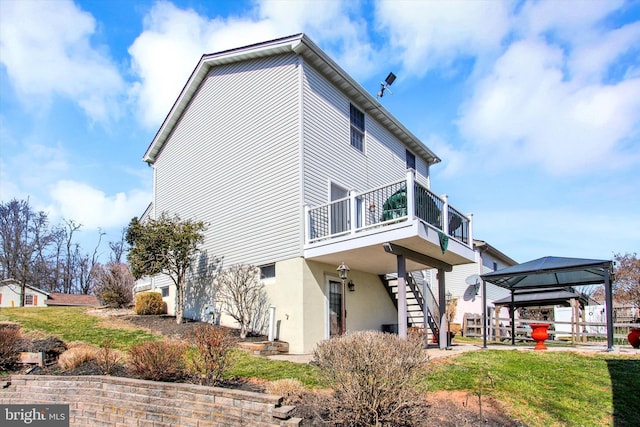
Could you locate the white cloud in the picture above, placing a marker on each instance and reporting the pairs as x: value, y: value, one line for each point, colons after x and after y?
x: 530, y: 113
x: 430, y: 35
x: 454, y: 160
x: 46, y: 50
x: 93, y: 208
x: 174, y: 39
x: 562, y: 95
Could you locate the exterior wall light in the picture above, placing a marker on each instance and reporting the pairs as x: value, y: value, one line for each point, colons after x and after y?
x: 343, y: 269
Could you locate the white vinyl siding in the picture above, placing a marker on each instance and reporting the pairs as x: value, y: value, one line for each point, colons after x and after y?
x: 328, y: 154
x: 233, y: 162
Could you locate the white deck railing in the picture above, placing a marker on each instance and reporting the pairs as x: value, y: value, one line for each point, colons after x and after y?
x: 382, y: 206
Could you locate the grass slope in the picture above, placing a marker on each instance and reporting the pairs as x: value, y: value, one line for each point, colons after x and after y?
x: 538, y: 388
x: 73, y: 324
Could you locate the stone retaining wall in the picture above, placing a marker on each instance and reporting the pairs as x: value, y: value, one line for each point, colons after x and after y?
x: 125, y: 402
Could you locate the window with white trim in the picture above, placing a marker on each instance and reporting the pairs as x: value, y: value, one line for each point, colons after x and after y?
x: 28, y: 299
x: 164, y: 291
x: 357, y: 127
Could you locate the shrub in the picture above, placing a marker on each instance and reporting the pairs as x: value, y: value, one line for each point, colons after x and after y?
x: 374, y: 377
x: 290, y: 389
x: 149, y: 303
x: 108, y: 359
x: 76, y: 356
x: 211, y: 357
x: 114, y: 285
x: 158, y: 360
x: 10, y: 341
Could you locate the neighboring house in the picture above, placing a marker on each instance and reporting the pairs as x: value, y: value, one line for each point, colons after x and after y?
x: 10, y: 295
x: 296, y: 169
x: 464, y: 282
x: 59, y: 299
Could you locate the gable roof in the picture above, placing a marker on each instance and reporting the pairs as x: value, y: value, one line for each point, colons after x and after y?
x: 6, y: 282
x: 483, y: 247
x: 298, y: 44
x: 56, y: 298
x: 549, y: 272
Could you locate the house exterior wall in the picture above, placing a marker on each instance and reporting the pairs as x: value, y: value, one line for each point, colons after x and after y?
x: 233, y: 162
x: 300, y: 295
x: 455, y: 281
x: 260, y: 139
x: 328, y: 154
x: 10, y: 296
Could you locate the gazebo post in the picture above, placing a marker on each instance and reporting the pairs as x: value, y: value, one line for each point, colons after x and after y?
x: 512, y: 308
x: 484, y: 314
x: 609, y: 307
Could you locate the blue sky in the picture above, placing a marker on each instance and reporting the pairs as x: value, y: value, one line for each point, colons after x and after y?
x: 534, y: 107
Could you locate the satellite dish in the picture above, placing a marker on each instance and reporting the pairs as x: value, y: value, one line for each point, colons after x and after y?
x: 472, y: 280
x: 474, y: 287
x: 385, y: 85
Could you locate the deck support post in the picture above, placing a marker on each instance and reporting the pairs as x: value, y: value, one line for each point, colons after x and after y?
x: 443, y: 339
x: 402, y: 296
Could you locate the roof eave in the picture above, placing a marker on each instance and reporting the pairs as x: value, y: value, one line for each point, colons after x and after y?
x: 304, y: 47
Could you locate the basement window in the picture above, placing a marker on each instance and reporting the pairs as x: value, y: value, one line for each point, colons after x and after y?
x: 268, y: 271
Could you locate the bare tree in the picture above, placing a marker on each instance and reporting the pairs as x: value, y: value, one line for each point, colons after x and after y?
x: 118, y: 248
x: 34, y: 252
x: 86, y: 267
x: 627, y: 279
x: 114, y: 284
x: 67, y: 275
x: 24, y: 236
x: 244, y: 297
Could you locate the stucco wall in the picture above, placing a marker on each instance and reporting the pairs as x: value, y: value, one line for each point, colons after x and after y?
x: 300, y: 295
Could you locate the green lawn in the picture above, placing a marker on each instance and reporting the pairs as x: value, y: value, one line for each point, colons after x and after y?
x: 549, y: 388
x: 539, y: 388
x: 72, y: 324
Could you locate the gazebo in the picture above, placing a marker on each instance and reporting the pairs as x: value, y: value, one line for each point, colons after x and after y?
x: 547, y: 275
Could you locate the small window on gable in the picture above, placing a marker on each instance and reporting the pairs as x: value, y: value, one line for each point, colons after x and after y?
x: 267, y: 271
x: 495, y: 266
x: 357, y: 127
x: 411, y: 160
x: 28, y: 299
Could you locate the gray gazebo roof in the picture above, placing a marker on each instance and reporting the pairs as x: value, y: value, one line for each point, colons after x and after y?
x: 550, y: 272
x: 550, y: 296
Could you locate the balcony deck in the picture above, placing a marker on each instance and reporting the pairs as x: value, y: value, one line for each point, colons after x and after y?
x: 354, y: 229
